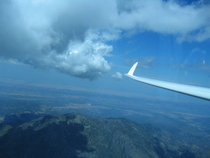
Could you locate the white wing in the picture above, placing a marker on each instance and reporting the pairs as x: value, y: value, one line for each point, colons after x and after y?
x: 195, y: 91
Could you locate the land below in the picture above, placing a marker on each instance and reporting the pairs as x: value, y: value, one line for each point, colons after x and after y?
x: 183, y: 121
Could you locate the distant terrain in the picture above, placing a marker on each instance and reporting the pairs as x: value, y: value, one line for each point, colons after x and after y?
x: 173, y: 123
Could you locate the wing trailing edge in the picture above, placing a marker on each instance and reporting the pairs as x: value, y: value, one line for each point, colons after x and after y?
x: 199, y: 92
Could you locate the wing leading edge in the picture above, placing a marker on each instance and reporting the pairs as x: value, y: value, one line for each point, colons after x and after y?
x: 195, y: 91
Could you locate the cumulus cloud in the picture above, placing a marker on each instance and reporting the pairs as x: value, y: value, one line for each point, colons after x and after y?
x: 72, y: 36
x: 117, y: 76
x: 189, y: 22
x: 65, y: 35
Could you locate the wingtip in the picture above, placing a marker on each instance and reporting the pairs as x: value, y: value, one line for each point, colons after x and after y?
x: 131, y: 71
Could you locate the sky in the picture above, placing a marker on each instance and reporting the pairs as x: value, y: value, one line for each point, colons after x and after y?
x: 91, y: 44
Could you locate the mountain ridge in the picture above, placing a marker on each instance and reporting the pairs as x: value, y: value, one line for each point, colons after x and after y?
x: 79, y: 136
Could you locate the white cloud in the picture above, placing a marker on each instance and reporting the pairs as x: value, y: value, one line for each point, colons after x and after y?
x: 117, y: 76
x: 66, y: 35
x: 83, y: 59
x: 71, y: 36
x: 167, y: 17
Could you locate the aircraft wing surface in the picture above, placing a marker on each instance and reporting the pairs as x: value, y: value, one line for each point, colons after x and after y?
x: 195, y: 91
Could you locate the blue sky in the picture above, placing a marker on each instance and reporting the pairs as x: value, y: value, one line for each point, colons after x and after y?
x: 91, y: 44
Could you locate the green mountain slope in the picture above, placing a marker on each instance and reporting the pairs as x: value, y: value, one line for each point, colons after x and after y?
x: 74, y: 135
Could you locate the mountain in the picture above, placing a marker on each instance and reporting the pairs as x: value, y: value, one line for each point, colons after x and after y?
x: 77, y: 136
x: 19, y: 118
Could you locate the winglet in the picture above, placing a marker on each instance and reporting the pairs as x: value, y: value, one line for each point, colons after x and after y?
x: 131, y: 71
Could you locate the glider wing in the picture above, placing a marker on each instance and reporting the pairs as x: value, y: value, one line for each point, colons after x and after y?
x: 195, y: 91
